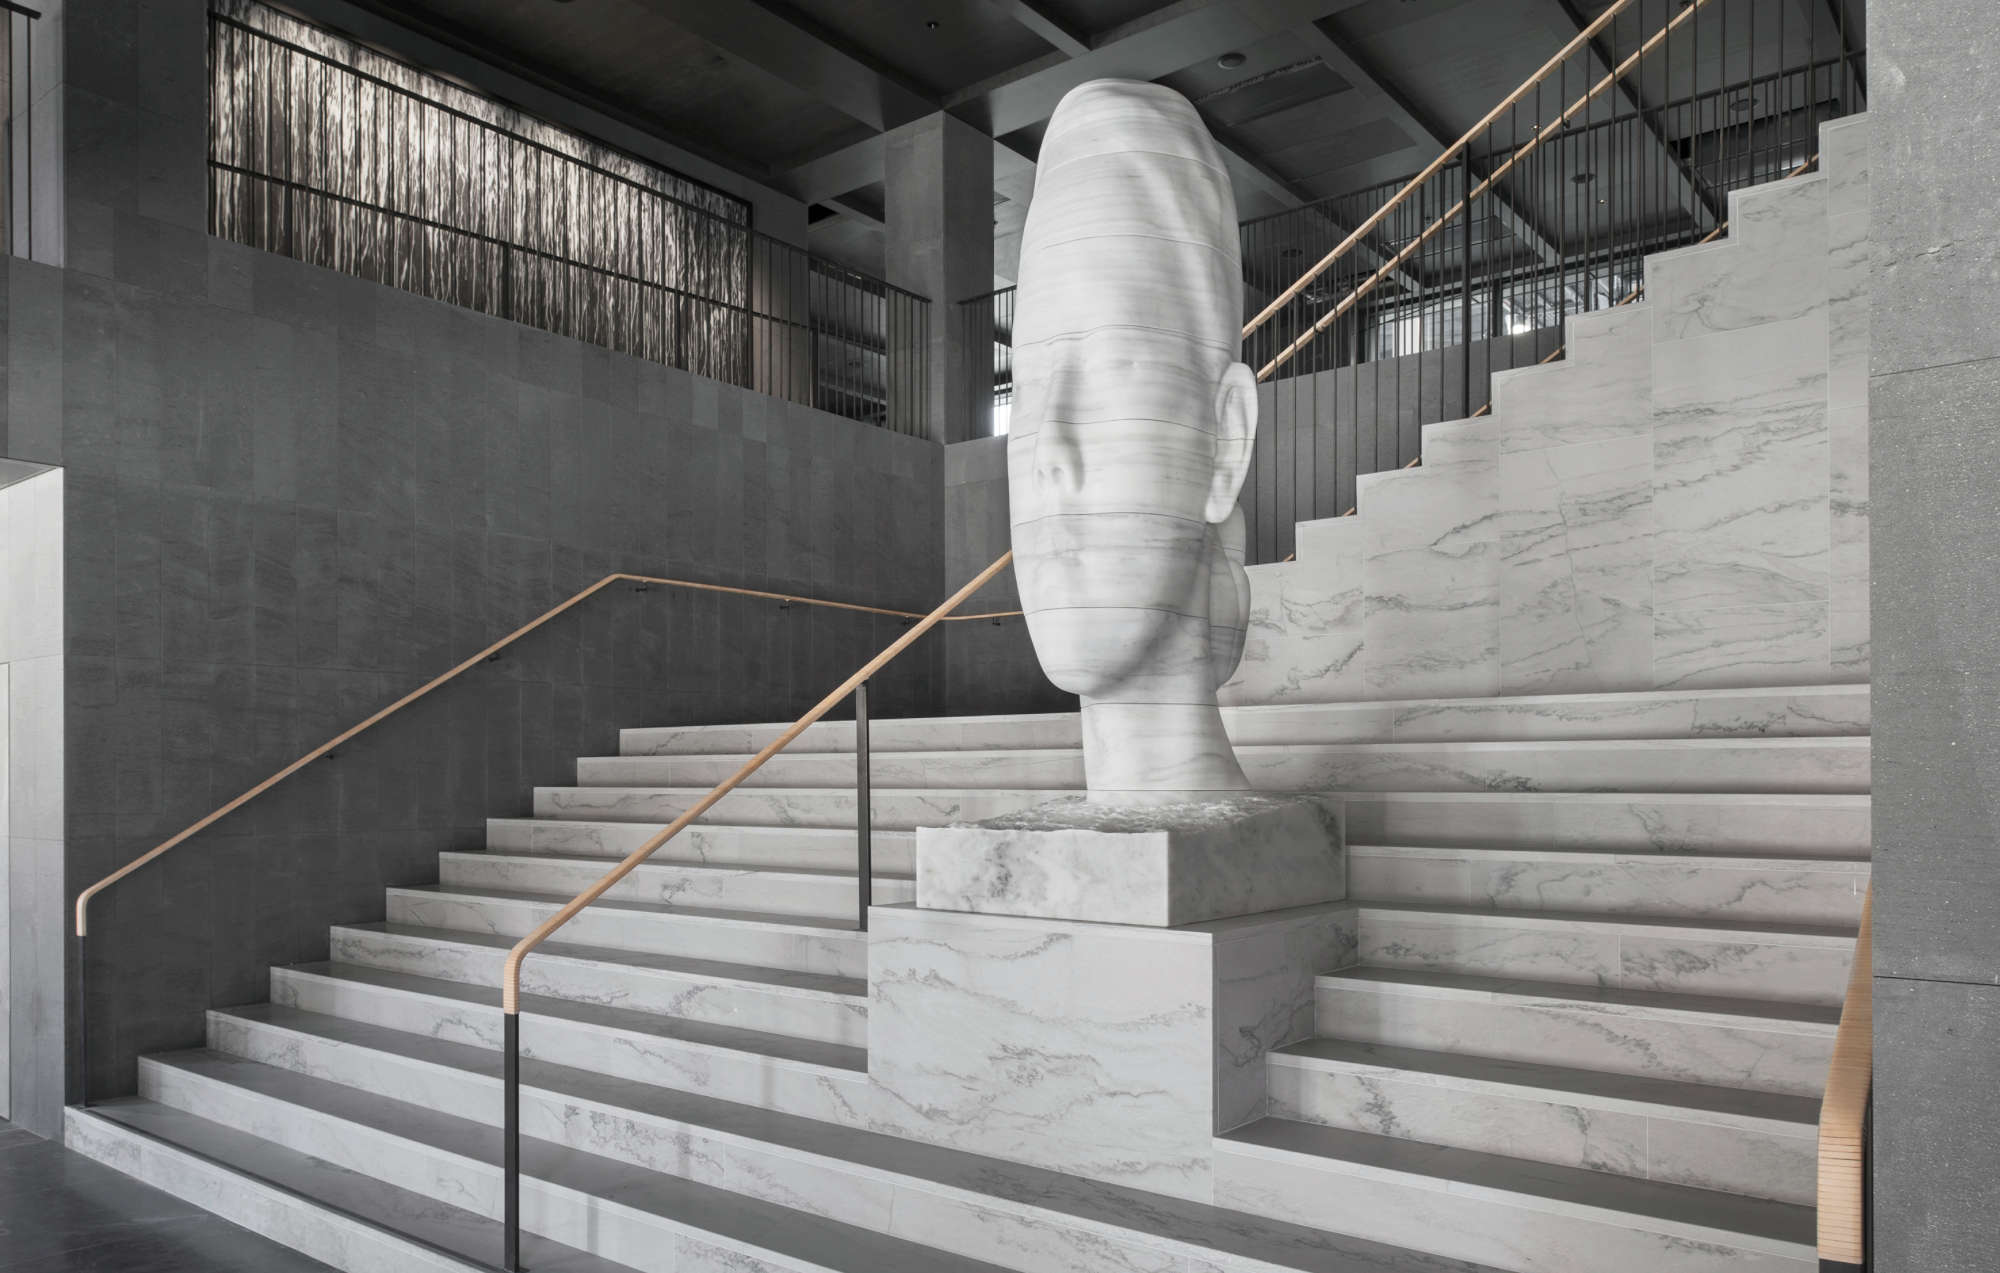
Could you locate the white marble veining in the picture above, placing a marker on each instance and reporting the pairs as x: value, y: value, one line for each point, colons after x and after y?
x: 1743, y: 645
x: 1717, y: 957
x: 1679, y: 1037
x: 772, y: 1000
x: 758, y: 889
x: 1771, y: 267
x: 1038, y: 768
x: 1089, y: 1048
x: 1830, y: 825
x: 1431, y: 571
x: 802, y: 944
x: 1755, y: 1144
x: 1305, y: 634
x: 1163, y: 865
x: 814, y: 848
x: 1597, y: 392
x: 1131, y: 436
x: 1777, y: 890
x: 781, y: 807
x: 1458, y: 1203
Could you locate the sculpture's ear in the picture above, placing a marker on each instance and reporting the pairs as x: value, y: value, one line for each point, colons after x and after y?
x: 1235, y: 435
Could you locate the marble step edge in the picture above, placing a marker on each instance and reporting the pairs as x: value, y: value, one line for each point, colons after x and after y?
x: 574, y: 862
x: 457, y: 1011
x: 568, y: 837
x: 288, y: 1196
x: 1755, y: 932
x: 1722, y: 861
x: 1643, y: 1095
x: 797, y: 943
x: 775, y: 981
x: 1471, y: 746
x: 703, y: 1129
x: 1596, y: 1002
x: 1678, y: 1212
x: 1257, y: 717
x: 608, y: 1203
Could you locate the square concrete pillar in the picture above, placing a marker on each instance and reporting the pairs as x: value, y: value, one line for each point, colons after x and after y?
x: 938, y: 214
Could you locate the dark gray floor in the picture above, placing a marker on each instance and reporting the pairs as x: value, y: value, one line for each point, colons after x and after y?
x: 62, y: 1213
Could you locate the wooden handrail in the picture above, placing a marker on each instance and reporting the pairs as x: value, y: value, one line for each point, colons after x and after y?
x: 1285, y: 297
x: 1410, y: 248
x: 510, y: 978
x: 1843, y: 1113
x: 83, y: 898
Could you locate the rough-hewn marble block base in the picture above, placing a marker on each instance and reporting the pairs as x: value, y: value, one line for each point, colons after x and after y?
x: 1114, y: 1052
x: 1163, y: 865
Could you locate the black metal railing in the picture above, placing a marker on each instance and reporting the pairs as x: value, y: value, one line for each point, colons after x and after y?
x: 334, y: 154
x: 1731, y: 97
x: 17, y: 140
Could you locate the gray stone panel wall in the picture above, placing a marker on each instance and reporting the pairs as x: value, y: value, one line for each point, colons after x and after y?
x: 990, y: 667
x: 1935, y: 375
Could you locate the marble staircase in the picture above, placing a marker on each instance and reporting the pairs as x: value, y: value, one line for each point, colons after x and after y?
x: 1599, y: 941
x: 1590, y: 688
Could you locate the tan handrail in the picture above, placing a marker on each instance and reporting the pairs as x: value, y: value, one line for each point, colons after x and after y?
x: 510, y: 978
x: 83, y: 898
x: 1843, y: 1112
x: 1326, y: 262
x: 1410, y: 248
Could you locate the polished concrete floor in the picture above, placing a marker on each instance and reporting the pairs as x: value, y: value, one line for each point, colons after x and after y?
x: 62, y: 1213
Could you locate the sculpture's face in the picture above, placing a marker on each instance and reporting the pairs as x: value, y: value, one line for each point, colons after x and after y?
x: 1131, y: 420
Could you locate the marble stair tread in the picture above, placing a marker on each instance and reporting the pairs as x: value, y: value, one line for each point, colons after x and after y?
x: 1599, y: 1000
x: 1832, y: 936
x: 817, y: 985
x: 818, y: 924
x: 1578, y: 1192
x: 704, y: 842
x: 1761, y: 711
x: 570, y: 862
x: 804, y: 943
x: 448, y: 1000
x: 1730, y: 764
x: 1563, y: 853
x: 600, y: 1191
x: 895, y: 809
x: 1047, y: 1197
x: 1826, y: 824
x: 194, y: 1146
x: 1554, y: 1083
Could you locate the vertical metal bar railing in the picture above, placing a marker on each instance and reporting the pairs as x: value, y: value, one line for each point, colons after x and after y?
x: 864, y: 818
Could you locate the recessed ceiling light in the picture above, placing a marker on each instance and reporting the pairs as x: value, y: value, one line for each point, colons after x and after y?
x: 931, y: 25
x: 1230, y: 61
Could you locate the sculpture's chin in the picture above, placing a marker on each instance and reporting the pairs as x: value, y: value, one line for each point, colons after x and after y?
x: 1076, y: 655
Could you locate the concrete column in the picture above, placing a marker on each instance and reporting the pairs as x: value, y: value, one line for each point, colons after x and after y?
x: 938, y: 212
x: 1935, y: 464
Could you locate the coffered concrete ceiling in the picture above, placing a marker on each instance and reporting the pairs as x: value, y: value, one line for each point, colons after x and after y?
x: 1319, y: 97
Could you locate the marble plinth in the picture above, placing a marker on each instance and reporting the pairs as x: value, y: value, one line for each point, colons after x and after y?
x: 1161, y: 865
x: 1114, y: 1052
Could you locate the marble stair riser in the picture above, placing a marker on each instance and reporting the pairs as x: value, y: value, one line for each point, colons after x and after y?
x: 1758, y: 712
x: 1771, y: 268
x: 791, y: 807
x: 1017, y: 1234
x: 1780, y: 967
x: 1776, y: 825
x: 828, y: 1093
x: 712, y: 888
x: 1771, y: 890
x: 1717, y: 1049
x: 604, y: 1226
x: 283, y: 1215
x: 830, y: 953
x: 1759, y: 1158
x: 803, y: 1014
x: 810, y: 848
x: 1507, y: 1232
x: 1708, y: 765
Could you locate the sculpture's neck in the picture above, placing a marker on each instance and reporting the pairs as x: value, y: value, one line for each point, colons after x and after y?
x: 1154, y: 751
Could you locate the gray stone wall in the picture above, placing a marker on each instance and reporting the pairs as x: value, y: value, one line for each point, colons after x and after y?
x: 990, y: 667
x: 1935, y: 376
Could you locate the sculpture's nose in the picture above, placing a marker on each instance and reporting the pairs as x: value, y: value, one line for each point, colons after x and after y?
x: 1058, y: 461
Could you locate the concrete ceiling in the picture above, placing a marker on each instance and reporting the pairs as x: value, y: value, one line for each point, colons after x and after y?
x: 1330, y: 96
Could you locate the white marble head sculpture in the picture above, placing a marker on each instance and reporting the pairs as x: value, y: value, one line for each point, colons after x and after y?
x: 1131, y: 435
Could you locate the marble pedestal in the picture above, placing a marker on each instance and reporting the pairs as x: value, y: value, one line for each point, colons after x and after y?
x: 1110, y: 1051
x: 1161, y: 865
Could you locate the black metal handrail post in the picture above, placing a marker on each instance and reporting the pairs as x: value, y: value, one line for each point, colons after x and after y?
x: 510, y: 1256
x: 863, y: 819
